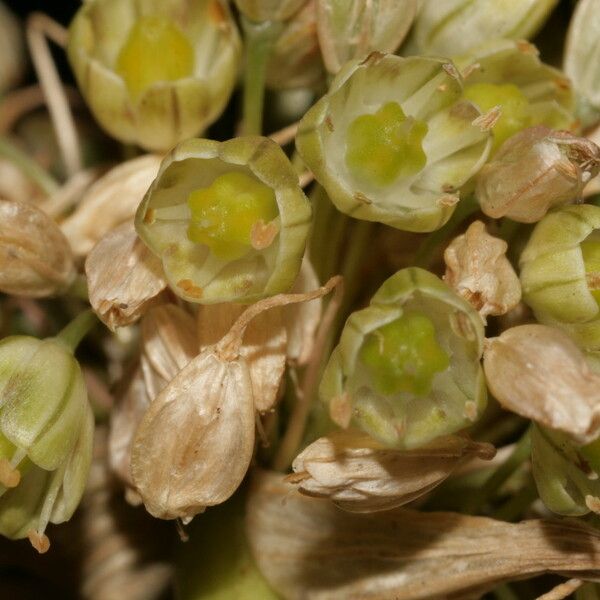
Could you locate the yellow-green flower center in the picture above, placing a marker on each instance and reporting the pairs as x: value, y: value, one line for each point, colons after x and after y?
x: 155, y: 50
x: 515, y: 110
x: 404, y: 355
x: 383, y: 146
x: 590, y: 250
x: 232, y: 215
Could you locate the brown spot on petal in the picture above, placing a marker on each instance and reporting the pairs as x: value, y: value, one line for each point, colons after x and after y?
x: 150, y: 216
x: 340, y: 410
x: 329, y: 123
x: 593, y: 503
x: 39, y: 541
x: 188, y: 286
x: 471, y: 410
x: 9, y: 476
x: 263, y: 234
x: 527, y: 48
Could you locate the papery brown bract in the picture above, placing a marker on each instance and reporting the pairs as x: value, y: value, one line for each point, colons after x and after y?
x: 477, y: 268
x: 35, y: 257
x: 360, y: 475
x: 124, y: 277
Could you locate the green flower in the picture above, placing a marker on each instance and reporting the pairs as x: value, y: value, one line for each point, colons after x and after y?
x: 509, y: 75
x: 560, y: 272
x: 141, y: 93
x: 392, y: 141
x: 46, y: 436
x: 228, y: 220
x: 407, y: 368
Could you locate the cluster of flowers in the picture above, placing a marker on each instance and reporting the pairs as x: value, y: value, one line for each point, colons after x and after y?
x: 337, y: 348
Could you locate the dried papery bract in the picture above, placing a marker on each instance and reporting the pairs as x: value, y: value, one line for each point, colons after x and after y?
x: 124, y: 277
x: 408, y: 155
x: 308, y: 548
x: 295, y: 59
x: 360, y: 475
x: 109, y: 202
x: 349, y: 30
x: 539, y: 373
x: 268, y: 10
x: 196, y: 440
x: 407, y: 370
x: 450, y: 27
x: 35, y: 258
x: 534, y: 171
x: 477, y: 268
x: 140, y: 94
x: 583, y: 45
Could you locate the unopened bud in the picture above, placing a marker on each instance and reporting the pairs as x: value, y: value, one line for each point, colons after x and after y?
x: 535, y: 170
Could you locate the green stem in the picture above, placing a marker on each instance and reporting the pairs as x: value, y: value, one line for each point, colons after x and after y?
x: 79, y: 288
x: 427, y: 250
x: 77, y: 329
x: 520, y: 454
x: 503, y: 592
x: 259, y: 39
x: 513, y: 509
x: 31, y: 168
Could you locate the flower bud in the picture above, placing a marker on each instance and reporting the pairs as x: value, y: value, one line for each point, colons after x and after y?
x: 228, y: 220
x: 478, y: 270
x: 268, y: 10
x: 507, y: 80
x: 407, y: 368
x: 566, y: 478
x: 109, y: 202
x: 583, y: 43
x: 559, y: 272
x: 137, y: 91
x: 13, y: 61
x: 534, y: 171
x: 35, y: 258
x: 539, y: 373
x: 402, y: 160
x: 46, y: 437
x: 124, y: 277
x: 360, y: 475
x: 351, y: 30
x: 450, y: 27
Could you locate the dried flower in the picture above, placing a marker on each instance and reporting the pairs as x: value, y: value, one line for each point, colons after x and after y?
x: 407, y: 368
x: 109, y: 202
x: 138, y: 92
x: 534, y: 171
x: 559, y: 272
x: 308, y: 548
x: 124, y: 277
x: 351, y: 30
x: 583, y: 43
x: 408, y: 154
x: 228, y: 220
x: 35, y: 258
x: 360, y: 475
x: 449, y: 27
x: 478, y: 270
x: 539, y: 373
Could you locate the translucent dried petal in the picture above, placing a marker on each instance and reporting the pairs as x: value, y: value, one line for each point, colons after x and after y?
x: 194, y: 444
x: 360, y: 475
x: 309, y: 549
x: 35, y: 258
x: 263, y: 347
x: 410, y: 142
x: 124, y: 277
x: 534, y: 171
x: 109, y: 202
x: 539, y: 373
x: 349, y: 30
x: 477, y: 268
x: 165, y: 112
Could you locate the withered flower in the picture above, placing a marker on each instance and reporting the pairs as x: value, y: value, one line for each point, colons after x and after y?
x: 477, y: 268
x: 539, y: 373
x: 361, y: 475
x: 35, y: 258
x: 124, y: 277
x: 535, y: 170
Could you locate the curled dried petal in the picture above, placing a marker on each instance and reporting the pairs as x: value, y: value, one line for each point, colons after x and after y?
x: 360, y: 475
x: 539, y: 373
x: 477, y: 268
x: 308, y: 549
x: 124, y: 277
x: 35, y: 258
